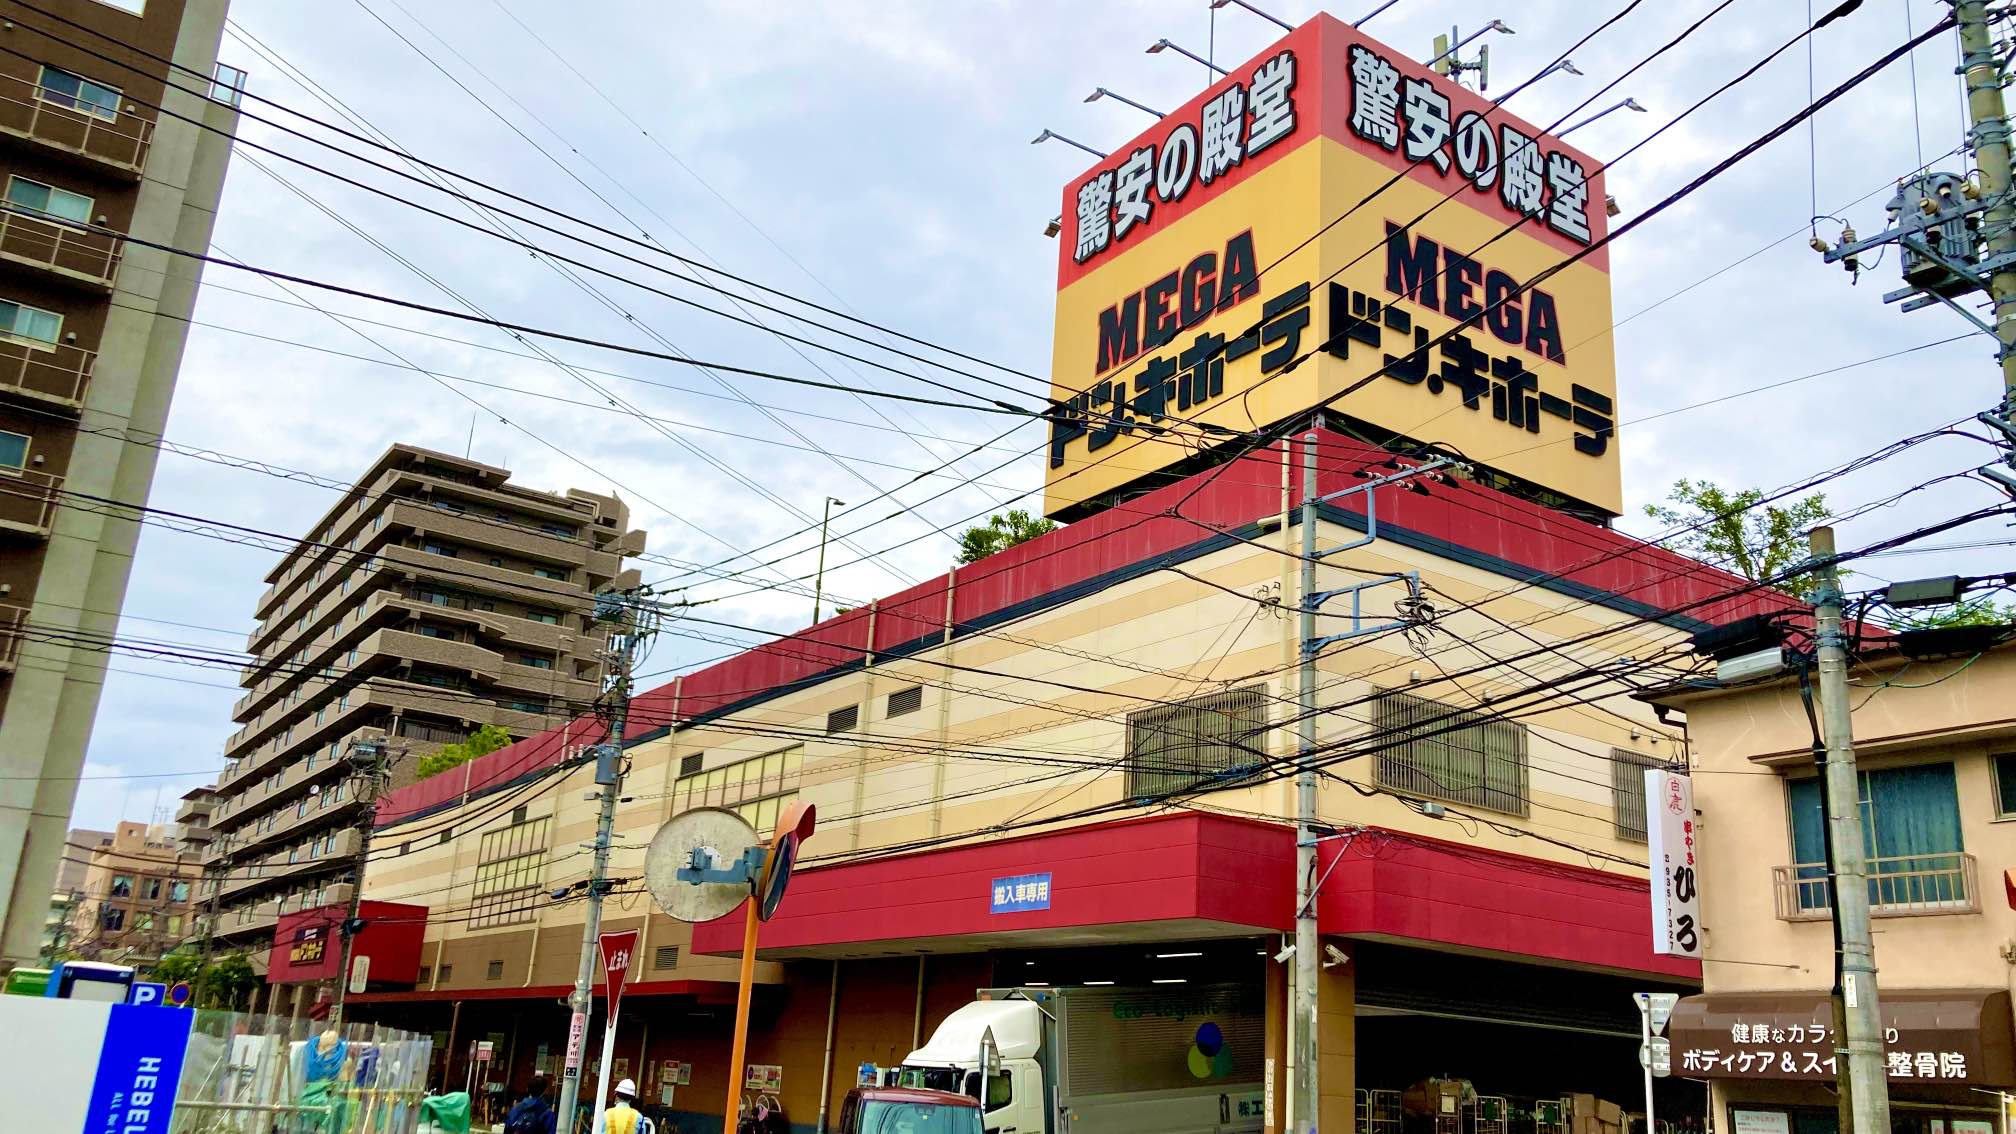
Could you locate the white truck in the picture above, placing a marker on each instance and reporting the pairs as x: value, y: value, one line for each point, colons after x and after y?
x: 1162, y: 1059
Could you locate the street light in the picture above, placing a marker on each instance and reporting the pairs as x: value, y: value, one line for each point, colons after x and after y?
x: 1101, y: 92
x: 1367, y: 17
x: 1161, y: 45
x: 1627, y: 104
x: 819, y: 576
x: 1047, y: 135
x: 1263, y: 15
x: 1567, y: 65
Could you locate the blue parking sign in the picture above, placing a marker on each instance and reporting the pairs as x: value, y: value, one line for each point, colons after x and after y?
x: 147, y: 992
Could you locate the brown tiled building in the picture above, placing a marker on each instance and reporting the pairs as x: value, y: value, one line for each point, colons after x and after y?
x: 435, y: 598
x: 136, y: 898
x: 100, y: 140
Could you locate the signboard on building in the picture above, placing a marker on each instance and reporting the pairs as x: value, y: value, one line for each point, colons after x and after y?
x: 1669, y: 850
x: 765, y: 1077
x: 1961, y: 1037
x: 1245, y: 259
x: 1019, y: 894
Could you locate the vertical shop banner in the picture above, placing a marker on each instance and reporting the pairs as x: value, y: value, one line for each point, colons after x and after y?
x: 139, y: 1069
x: 616, y: 951
x: 1669, y: 837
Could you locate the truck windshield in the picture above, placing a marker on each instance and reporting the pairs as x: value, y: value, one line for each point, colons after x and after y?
x: 932, y: 1078
x: 918, y: 1118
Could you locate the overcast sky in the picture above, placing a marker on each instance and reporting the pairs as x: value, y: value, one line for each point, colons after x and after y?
x: 876, y: 157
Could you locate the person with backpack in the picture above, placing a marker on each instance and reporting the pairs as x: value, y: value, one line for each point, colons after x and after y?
x: 532, y: 1114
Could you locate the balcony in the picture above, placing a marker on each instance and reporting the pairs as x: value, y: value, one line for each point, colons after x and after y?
x: 44, y: 376
x: 48, y: 120
x: 59, y: 252
x: 1899, y: 886
x: 28, y: 503
x: 12, y: 619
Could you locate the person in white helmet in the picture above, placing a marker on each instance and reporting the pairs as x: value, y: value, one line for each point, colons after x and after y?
x: 622, y: 1116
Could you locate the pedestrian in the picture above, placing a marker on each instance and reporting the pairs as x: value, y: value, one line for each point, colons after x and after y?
x: 622, y: 1116
x: 532, y: 1114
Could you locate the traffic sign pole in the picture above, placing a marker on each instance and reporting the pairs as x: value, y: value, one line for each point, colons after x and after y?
x: 1655, y: 1053
x: 1645, y: 1058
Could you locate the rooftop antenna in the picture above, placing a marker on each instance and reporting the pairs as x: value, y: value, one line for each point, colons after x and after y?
x: 1449, y: 62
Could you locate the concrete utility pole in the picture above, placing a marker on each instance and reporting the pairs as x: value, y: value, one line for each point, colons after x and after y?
x: 1989, y: 133
x: 1862, y: 1067
x: 1305, y: 1100
x: 370, y: 756
x: 640, y: 615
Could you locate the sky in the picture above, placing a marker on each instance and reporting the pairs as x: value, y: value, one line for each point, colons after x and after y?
x: 875, y: 158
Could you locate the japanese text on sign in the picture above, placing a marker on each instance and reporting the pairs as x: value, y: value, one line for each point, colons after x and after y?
x: 1775, y: 1050
x: 1669, y: 836
x: 1237, y: 124
x: 1020, y: 893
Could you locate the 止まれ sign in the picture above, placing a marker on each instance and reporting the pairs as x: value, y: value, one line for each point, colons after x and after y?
x: 1339, y: 227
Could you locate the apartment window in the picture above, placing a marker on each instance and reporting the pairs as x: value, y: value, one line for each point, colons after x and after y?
x: 905, y: 701
x: 433, y: 548
x: 549, y: 573
x: 79, y: 93
x: 526, y: 705
x: 1177, y: 747
x: 150, y: 889
x: 1910, y: 829
x: 143, y: 922
x: 13, y: 451
x: 843, y: 720
x: 756, y: 788
x: 546, y: 616
x: 1446, y: 753
x: 300, y: 807
x: 113, y: 918
x: 535, y: 661
x: 174, y: 924
x: 1627, y: 791
x: 122, y: 886
x: 429, y: 630
x: 508, y: 872
x: 2005, y: 785
x: 561, y: 530
x: 49, y: 200
x: 665, y: 957
x: 494, y: 562
x: 30, y: 325
x: 447, y: 973
x: 494, y: 971
x: 178, y: 891
x: 426, y: 974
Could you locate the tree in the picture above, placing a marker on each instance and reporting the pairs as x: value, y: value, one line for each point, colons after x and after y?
x: 485, y: 740
x: 223, y: 983
x: 1738, y: 531
x: 1000, y: 533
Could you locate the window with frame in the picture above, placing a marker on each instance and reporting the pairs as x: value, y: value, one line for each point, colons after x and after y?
x: 78, y: 93
x: 30, y: 325
x: 2004, y: 764
x: 113, y: 918
x: 1442, y: 752
x: 122, y: 886
x: 1910, y: 835
x: 13, y: 451
x: 1173, y: 748
x: 1627, y: 792
x: 757, y: 789
x: 178, y: 891
x: 48, y: 200
x: 905, y: 701
x: 510, y: 866
x: 150, y: 889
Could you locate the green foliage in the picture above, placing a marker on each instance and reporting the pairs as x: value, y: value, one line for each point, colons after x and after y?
x: 1738, y: 531
x: 485, y: 740
x: 1000, y: 533
x: 1966, y: 612
x: 226, y: 982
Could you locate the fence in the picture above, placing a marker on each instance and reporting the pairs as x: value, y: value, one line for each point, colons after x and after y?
x: 247, y: 1074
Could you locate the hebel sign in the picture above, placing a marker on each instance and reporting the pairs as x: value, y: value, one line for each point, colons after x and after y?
x: 1245, y: 259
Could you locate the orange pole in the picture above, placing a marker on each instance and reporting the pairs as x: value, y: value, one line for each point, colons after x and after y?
x: 739, y: 1052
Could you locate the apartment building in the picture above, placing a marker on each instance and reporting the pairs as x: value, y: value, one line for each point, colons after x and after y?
x: 988, y: 752
x: 192, y: 820
x: 436, y: 597
x: 101, y: 140
x: 1935, y: 740
x: 58, y: 928
x: 136, y: 898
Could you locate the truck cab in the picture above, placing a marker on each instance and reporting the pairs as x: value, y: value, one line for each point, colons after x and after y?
x: 908, y: 1110
x: 1013, y: 1097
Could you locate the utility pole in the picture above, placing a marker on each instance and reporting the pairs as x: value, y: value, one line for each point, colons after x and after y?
x: 370, y: 757
x: 1861, y: 1068
x: 641, y: 615
x: 1305, y: 1098
x: 819, y: 575
x: 1989, y: 133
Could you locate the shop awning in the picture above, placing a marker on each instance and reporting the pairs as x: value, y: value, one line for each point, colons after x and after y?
x: 1952, y: 1037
